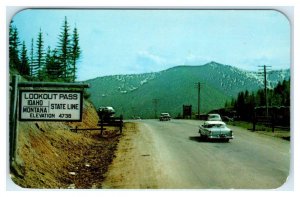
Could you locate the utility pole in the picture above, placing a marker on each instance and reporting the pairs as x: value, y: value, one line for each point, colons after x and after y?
x: 155, y: 102
x: 133, y: 112
x: 198, y: 86
x: 265, y: 86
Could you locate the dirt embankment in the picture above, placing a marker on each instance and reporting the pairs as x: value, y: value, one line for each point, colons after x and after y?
x: 50, y: 156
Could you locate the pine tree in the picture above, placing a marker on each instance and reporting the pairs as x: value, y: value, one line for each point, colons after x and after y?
x: 52, y: 68
x: 31, y: 62
x: 24, y: 64
x: 286, y: 93
x: 64, y: 49
x: 260, y: 97
x: 282, y: 93
x: 245, y: 102
x: 48, y: 62
x: 40, y: 59
x: 75, y: 53
x: 241, y: 101
x: 14, y: 60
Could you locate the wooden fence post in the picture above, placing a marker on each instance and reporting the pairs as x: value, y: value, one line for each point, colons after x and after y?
x: 101, y: 124
x: 254, y: 120
x: 121, y: 123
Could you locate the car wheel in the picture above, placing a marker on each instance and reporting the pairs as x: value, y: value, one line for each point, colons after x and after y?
x: 202, y: 137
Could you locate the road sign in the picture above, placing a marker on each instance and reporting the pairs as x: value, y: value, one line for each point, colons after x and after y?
x: 45, y: 105
x: 187, y: 111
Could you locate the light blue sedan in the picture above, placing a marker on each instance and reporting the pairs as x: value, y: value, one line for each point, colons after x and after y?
x: 215, y: 130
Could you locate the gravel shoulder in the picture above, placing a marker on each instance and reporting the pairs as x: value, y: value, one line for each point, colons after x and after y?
x: 136, y: 164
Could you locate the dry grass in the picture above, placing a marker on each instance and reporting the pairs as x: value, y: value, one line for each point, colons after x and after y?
x: 51, y: 156
x: 262, y: 129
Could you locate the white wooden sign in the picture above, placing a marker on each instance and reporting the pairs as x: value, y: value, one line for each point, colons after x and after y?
x: 50, y: 105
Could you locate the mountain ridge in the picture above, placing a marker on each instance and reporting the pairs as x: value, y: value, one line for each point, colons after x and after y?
x: 133, y: 94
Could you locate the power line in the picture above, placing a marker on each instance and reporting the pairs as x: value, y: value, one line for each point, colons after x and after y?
x: 264, y: 72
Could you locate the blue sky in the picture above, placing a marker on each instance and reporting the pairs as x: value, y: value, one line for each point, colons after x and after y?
x: 138, y: 41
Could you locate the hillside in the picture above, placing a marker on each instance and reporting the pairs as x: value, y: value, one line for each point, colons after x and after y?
x: 132, y: 95
x: 49, y: 155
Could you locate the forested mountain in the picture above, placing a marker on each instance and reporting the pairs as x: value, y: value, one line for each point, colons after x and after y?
x: 166, y: 91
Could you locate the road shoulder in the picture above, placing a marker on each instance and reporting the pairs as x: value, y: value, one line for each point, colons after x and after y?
x: 133, y: 165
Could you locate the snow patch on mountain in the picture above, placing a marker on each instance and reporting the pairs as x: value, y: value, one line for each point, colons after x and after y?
x: 129, y: 83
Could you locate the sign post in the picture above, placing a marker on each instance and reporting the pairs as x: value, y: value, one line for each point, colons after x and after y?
x: 12, y: 118
x: 42, y: 104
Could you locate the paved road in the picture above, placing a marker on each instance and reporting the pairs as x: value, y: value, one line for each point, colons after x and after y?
x: 170, y: 154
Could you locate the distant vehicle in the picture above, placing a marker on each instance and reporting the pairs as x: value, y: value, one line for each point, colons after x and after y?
x: 106, y: 112
x: 228, y: 119
x: 136, y: 118
x: 215, y: 130
x: 214, y: 117
x: 164, y: 116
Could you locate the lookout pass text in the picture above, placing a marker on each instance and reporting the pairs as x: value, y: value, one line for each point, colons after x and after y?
x: 45, y: 105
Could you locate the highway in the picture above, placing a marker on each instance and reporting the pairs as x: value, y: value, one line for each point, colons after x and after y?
x: 170, y: 154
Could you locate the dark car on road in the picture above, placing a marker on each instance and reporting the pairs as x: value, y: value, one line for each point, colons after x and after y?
x: 106, y: 113
x: 164, y: 117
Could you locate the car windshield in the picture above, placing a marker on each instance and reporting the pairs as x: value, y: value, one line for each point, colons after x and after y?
x: 214, y: 116
x: 214, y: 126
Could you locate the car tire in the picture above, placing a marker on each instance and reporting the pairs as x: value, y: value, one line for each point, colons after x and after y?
x: 202, y: 137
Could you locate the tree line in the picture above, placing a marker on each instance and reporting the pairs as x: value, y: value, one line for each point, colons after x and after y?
x: 40, y: 64
x: 246, y: 101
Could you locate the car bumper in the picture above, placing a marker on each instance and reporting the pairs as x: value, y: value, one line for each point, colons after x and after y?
x: 220, y: 137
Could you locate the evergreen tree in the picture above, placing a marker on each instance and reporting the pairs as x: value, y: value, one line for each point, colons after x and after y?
x: 75, y: 55
x: 31, y: 62
x: 252, y: 100
x: 245, y: 102
x: 233, y: 102
x: 59, y: 63
x: 281, y: 93
x: 286, y: 93
x: 47, y: 62
x: 260, y: 97
x: 14, y: 60
x: 64, y: 49
x: 227, y: 104
x: 53, y: 68
x: 40, y: 59
x: 24, y: 64
x: 48, y: 55
x: 240, y: 104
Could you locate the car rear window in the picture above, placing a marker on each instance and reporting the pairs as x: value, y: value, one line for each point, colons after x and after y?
x: 214, y: 126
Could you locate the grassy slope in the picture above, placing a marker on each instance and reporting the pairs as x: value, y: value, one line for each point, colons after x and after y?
x: 53, y: 157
